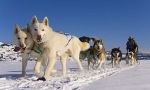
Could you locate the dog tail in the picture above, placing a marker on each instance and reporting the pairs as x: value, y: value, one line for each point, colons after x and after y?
x: 84, y: 46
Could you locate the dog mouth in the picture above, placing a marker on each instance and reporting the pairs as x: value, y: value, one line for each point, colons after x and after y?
x: 39, y: 41
x: 17, y: 49
x: 39, y: 38
x: 23, y: 49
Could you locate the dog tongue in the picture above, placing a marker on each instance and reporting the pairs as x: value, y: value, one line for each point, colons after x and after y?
x: 17, y: 49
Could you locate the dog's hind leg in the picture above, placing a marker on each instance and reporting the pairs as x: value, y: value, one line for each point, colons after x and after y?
x: 63, y: 62
x: 75, y: 56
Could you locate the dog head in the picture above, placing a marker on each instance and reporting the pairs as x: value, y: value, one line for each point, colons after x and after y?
x: 84, y: 39
x: 21, y: 37
x: 98, y: 45
x: 39, y: 29
x: 116, y: 53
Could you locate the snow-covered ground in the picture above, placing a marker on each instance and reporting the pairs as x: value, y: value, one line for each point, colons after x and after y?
x: 137, y: 78
x: 75, y: 80
x: 124, y: 78
x: 7, y: 53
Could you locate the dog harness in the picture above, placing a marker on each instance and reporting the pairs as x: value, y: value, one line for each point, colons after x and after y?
x: 69, y: 38
x: 37, y: 48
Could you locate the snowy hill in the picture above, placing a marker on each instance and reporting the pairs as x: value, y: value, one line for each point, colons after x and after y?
x: 7, y: 53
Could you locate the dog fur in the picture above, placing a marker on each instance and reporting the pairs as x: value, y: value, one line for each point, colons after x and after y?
x: 131, y: 58
x: 55, y: 44
x: 95, y: 55
x: 116, y: 56
x: 25, y: 43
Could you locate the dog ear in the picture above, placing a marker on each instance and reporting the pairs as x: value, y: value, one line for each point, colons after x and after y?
x: 94, y: 39
x: 27, y: 28
x: 17, y: 29
x: 34, y: 20
x: 101, y: 40
x: 45, y: 21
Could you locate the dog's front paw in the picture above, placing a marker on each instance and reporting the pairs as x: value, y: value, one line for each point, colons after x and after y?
x: 41, y: 78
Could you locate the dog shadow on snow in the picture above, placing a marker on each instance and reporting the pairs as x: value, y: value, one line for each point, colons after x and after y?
x: 14, y: 75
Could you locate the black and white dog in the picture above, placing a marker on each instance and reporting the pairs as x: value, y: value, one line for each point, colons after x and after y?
x: 96, y: 54
x: 116, y: 56
x: 132, y: 51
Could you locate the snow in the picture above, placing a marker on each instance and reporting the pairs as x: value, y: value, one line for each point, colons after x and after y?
x: 10, y: 77
x: 7, y: 53
x: 123, y: 78
x: 1, y: 43
x: 132, y: 79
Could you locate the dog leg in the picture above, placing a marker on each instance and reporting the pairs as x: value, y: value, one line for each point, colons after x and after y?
x: 88, y: 60
x: 63, y: 62
x: 79, y: 63
x: 130, y: 61
x: 24, y: 64
x: 44, y: 63
x: 75, y: 56
x: 127, y: 61
x: 113, y: 62
x: 38, y: 65
x: 50, y: 65
x: 99, y: 64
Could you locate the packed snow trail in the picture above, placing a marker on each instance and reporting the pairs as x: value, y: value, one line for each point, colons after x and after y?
x: 137, y: 78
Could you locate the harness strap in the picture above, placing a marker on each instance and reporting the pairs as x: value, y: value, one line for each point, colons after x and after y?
x: 69, y: 41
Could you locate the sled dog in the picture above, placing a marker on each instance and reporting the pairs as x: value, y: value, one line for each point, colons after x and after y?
x: 95, y: 55
x: 55, y: 44
x: 131, y: 59
x: 26, y: 46
x: 116, y: 56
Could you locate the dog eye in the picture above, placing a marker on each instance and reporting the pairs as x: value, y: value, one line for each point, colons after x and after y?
x: 35, y: 29
x: 42, y: 29
x: 19, y: 38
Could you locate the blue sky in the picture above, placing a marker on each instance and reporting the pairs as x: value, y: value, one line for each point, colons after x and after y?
x: 111, y: 20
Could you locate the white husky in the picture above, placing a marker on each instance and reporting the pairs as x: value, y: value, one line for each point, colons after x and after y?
x: 27, y: 46
x: 55, y: 44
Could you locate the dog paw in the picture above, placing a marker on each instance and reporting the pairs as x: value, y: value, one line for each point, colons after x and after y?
x: 41, y: 78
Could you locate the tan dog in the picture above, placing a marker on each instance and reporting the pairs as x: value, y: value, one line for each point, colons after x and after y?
x: 55, y: 44
x: 26, y: 46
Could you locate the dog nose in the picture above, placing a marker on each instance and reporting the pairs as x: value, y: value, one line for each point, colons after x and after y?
x: 24, y: 48
x: 39, y: 38
x: 21, y: 45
